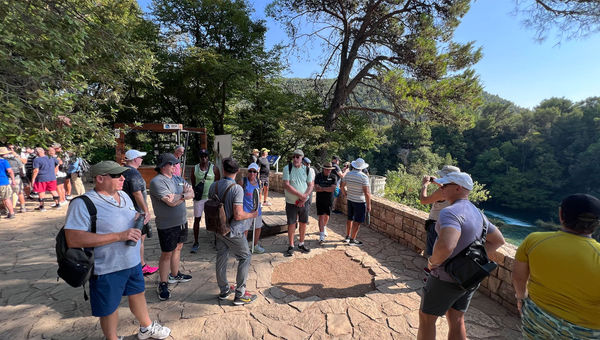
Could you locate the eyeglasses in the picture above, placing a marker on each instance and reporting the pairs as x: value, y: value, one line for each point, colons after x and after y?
x: 113, y: 175
x: 297, y: 156
x: 252, y: 171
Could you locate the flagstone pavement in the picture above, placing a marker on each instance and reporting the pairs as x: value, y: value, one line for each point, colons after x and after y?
x: 34, y: 305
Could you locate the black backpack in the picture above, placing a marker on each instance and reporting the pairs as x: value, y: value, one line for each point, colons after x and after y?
x: 76, y: 265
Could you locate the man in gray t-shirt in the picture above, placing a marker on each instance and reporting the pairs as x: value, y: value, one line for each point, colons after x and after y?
x: 233, y: 242
x: 458, y: 225
x: 117, y: 267
x: 168, y: 193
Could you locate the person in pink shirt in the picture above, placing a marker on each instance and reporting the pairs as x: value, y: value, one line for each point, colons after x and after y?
x: 178, y: 152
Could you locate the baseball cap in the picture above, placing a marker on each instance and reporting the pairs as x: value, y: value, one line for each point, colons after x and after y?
x: 337, y: 158
x: 447, y: 169
x: 580, y: 206
x: 202, y: 152
x: 306, y: 160
x: 133, y: 154
x: 253, y: 166
x: 299, y: 152
x: 265, y: 150
x: 254, y: 150
x: 164, y: 159
x: 461, y: 178
x: 107, y: 168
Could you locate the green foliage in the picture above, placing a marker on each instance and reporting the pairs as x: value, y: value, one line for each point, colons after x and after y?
x: 67, y: 66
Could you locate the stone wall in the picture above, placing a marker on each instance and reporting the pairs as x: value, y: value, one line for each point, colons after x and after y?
x: 407, y: 226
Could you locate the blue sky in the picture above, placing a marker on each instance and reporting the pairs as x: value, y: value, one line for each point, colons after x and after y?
x: 514, y: 66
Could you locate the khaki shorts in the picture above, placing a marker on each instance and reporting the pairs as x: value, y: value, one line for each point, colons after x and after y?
x: 5, y: 192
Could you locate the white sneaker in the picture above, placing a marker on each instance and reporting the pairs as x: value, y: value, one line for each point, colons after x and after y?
x: 325, y: 230
x: 155, y: 331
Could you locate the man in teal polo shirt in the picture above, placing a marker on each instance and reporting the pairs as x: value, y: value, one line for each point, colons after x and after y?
x: 298, y: 184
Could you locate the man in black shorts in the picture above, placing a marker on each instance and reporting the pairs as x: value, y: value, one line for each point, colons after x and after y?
x: 168, y: 193
x: 325, y: 184
x: 264, y: 164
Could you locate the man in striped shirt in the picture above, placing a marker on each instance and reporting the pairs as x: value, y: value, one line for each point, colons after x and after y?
x: 355, y: 186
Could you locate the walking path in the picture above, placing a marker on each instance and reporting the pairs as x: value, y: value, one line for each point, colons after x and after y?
x: 33, y: 305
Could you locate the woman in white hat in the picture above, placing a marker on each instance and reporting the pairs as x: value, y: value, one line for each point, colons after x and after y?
x: 357, y: 187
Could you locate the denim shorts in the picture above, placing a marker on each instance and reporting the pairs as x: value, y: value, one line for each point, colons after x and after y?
x: 106, y: 290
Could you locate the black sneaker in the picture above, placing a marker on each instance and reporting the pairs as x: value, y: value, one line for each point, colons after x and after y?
x: 244, y: 299
x: 303, y: 248
x: 179, y: 278
x: 355, y: 243
x: 347, y: 239
x: 289, y: 251
x: 225, y: 295
x: 163, y: 291
x: 195, y: 247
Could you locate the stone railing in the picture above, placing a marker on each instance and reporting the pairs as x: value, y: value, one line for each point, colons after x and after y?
x: 407, y: 226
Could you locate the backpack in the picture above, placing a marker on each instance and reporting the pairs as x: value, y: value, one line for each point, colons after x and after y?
x: 290, y: 165
x: 214, y: 212
x: 76, y: 265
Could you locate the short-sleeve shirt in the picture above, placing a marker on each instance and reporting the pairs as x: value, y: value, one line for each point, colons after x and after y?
x: 299, y: 180
x: 115, y: 256
x: 355, y: 181
x: 564, y: 275
x: 263, y: 162
x: 235, y: 196
x: 16, y: 165
x: 325, y: 182
x: 166, y: 216
x: 134, y: 182
x: 46, y: 166
x: 4, y: 165
x: 463, y: 216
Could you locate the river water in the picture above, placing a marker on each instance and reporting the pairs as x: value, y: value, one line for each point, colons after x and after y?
x: 516, y: 229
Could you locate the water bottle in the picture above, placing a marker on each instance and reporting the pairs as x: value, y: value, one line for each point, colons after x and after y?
x: 139, y: 224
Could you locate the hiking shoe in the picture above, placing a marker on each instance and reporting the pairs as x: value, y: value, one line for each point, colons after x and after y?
x: 179, y: 278
x: 68, y: 197
x: 267, y: 204
x: 303, y: 248
x: 55, y: 205
x: 355, y: 243
x: 321, y: 241
x: 147, y: 270
x: 258, y: 249
x: 347, y: 239
x: 10, y: 216
x: 40, y: 208
x: 244, y: 299
x: 23, y: 210
x: 226, y: 294
x: 163, y: 291
x: 289, y: 252
x: 62, y: 204
x: 155, y: 331
x: 195, y: 247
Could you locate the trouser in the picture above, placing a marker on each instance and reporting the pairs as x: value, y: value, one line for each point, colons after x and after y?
x: 77, y: 184
x: 239, y: 248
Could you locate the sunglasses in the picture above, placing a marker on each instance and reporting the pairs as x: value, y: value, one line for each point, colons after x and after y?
x: 252, y: 171
x: 113, y: 175
x: 297, y: 156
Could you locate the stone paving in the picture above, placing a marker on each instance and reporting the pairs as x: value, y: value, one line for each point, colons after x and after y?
x: 33, y: 305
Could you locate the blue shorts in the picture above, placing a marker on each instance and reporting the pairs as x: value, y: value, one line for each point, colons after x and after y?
x: 357, y: 211
x: 106, y: 290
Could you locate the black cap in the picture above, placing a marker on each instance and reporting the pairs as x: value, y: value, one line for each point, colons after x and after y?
x: 580, y: 206
x: 203, y: 152
x: 164, y: 159
x: 337, y: 158
x: 230, y: 165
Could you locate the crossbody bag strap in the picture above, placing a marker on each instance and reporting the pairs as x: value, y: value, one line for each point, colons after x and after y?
x: 207, y: 170
x: 485, y: 227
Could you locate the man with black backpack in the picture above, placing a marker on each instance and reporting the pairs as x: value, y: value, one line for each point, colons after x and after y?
x: 117, y: 268
x: 298, y: 183
x: 232, y: 196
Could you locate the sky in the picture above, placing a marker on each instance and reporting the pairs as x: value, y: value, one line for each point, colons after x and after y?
x: 514, y: 65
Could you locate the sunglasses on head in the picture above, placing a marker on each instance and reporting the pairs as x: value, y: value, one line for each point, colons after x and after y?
x: 113, y: 175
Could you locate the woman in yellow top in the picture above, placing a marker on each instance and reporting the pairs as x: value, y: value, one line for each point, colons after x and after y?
x: 557, y: 275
